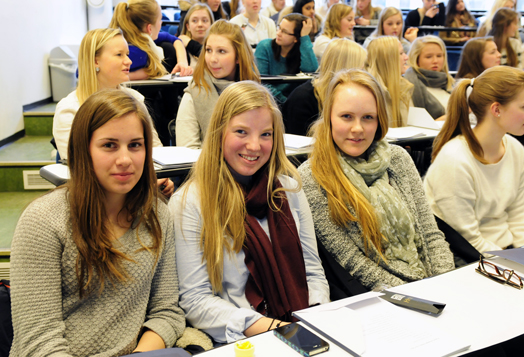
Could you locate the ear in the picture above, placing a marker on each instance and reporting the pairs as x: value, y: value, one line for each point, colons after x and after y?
x: 495, y: 109
x: 149, y: 29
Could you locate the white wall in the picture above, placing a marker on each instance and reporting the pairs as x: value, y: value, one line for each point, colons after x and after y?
x: 31, y: 29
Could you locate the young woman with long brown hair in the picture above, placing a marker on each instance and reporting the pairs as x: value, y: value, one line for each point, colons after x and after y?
x: 475, y: 183
x: 366, y: 196
x: 93, y: 262
x: 246, y: 249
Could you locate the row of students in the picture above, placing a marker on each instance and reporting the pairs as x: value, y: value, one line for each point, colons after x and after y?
x: 368, y: 209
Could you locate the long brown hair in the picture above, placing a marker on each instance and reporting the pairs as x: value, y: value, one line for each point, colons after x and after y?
x: 132, y: 17
x: 222, y: 203
x: 501, y: 20
x: 97, y: 259
x: 326, y: 168
x: 245, y: 69
x: 470, y: 62
x: 499, y: 84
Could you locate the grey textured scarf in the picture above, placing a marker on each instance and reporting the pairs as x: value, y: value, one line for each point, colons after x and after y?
x: 370, y: 177
x: 422, y: 98
x: 204, y: 102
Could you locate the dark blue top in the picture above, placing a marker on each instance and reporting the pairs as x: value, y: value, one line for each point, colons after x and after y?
x: 140, y: 58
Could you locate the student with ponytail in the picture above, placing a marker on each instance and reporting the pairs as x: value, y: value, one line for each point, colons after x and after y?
x: 476, y: 181
x: 140, y: 21
x: 366, y: 196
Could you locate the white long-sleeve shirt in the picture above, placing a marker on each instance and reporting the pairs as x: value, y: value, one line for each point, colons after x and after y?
x: 483, y: 203
x: 226, y: 315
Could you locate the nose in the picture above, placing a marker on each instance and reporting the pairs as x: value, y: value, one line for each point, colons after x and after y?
x: 128, y: 61
x: 357, y: 126
x: 253, y: 144
x: 123, y: 159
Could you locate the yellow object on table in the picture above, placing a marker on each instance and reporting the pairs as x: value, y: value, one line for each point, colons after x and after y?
x: 244, y: 349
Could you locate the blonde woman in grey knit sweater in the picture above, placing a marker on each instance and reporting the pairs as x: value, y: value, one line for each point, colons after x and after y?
x: 366, y: 196
x: 93, y: 262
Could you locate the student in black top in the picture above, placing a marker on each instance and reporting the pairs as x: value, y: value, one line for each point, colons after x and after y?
x: 431, y: 14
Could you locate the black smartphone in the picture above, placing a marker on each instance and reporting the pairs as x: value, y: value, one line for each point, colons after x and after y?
x: 301, y: 339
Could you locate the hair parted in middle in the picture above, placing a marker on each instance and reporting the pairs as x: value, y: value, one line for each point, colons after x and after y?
x: 341, y: 53
x: 416, y: 49
x: 470, y: 62
x: 222, y: 203
x: 98, y: 260
x: 187, y: 18
x: 132, y: 17
x: 500, y: 84
x: 336, y: 13
x: 385, y: 14
x: 90, y: 48
x: 326, y: 168
x: 246, y: 68
x: 383, y: 62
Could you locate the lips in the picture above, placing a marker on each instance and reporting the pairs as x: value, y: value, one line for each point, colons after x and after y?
x: 122, y: 176
x: 249, y: 158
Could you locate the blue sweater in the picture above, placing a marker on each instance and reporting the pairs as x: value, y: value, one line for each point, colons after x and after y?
x: 140, y: 58
x: 267, y: 64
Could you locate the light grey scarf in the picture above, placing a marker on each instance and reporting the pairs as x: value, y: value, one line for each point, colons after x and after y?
x: 422, y: 98
x: 396, y: 222
x: 204, y: 102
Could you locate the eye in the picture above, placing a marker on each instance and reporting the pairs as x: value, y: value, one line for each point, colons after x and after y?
x: 369, y: 117
x: 135, y: 145
x: 346, y: 116
x: 208, y: 50
x: 268, y: 134
x: 240, y: 131
x: 109, y: 145
x: 223, y: 51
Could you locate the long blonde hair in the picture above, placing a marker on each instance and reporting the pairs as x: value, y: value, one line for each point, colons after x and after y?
x: 372, y: 10
x: 331, y: 26
x: 90, y: 48
x: 326, y: 168
x: 383, y: 63
x: 341, y: 53
x: 132, y: 17
x: 222, y: 203
x: 496, y: 84
x: 246, y: 68
x: 416, y: 49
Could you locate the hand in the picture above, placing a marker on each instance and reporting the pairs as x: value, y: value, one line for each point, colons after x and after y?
x: 411, y: 34
x: 169, y: 186
x: 362, y: 21
x: 184, y: 70
x: 306, y: 27
x: 432, y: 12
x: 185, y: 39
x: 464, y: 39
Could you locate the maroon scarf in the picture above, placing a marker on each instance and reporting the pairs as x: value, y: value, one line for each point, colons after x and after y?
x: 277, y: 285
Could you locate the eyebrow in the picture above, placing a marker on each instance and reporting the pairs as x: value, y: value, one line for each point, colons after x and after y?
x: 116, y: 140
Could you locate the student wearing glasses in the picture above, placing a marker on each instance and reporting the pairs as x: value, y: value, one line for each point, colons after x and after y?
x: 476, y: 182
x: 290, y: 52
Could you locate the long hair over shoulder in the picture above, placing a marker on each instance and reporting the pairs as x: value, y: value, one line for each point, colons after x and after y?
x: 499, y: 84
x: 385, y: 14
x: 132, y: 17
x: 383, y: 62
x: 326, y: 168
x: 222, y: 203
x: 245, y: 69
x: 336, y: 13
x: 501, y: 20
x: 187, y: 18
x: 98, y: 260
x: 91, y: 47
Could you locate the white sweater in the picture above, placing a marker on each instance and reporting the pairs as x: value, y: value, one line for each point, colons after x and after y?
x: 483, y: 203
x: 65, y: 113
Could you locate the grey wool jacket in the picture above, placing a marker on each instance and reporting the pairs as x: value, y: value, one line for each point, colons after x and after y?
x: 346, y: 244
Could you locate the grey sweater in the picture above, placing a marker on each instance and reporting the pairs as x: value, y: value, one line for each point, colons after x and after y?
x: 346, y: 245
x: 49, y: 319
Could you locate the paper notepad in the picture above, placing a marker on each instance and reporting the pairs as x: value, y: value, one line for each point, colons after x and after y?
x: 405, y: 132
x: 293, y: 141
x: 170, y: 157
x: 420, y: 117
